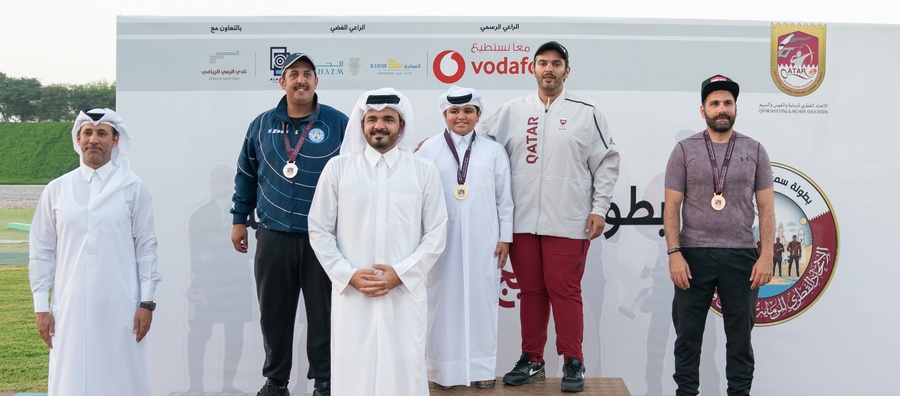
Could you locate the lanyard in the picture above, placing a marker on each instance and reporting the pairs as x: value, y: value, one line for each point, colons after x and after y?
x: 719, y: 175
x: 461, y: 172
x: 292, y: 154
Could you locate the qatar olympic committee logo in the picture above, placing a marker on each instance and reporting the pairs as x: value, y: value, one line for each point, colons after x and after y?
x: 448, y: 66
x: 805, y: 245
x: 798, y: 58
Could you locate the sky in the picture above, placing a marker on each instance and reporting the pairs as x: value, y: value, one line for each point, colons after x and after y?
x: 74, y: 42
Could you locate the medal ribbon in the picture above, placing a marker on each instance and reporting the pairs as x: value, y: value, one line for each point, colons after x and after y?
x: 292, y: 154
x: 719, y: 175
x: 461, y: 173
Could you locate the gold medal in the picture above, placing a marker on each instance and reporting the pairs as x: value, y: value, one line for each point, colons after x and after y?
x: 289, y: 170
x: 461, y: 192
x: 717, y: 202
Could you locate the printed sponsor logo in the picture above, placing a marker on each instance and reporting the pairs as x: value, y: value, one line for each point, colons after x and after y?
x: 330, y: 68
x: 354, y: 65
x: 277, y: 57
x: 798, y: 57
x: 449, y: 66
x: 221, y: 70
x: 395, y: 67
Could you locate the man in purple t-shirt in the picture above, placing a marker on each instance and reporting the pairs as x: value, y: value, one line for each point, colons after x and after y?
x: 711, y: 179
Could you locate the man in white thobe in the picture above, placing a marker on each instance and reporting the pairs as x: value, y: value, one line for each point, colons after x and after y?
x: 378, y: 224
x: 93, y: 242
x: 464, y: 285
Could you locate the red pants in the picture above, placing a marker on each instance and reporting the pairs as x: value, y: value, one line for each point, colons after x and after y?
x: 549, y: 271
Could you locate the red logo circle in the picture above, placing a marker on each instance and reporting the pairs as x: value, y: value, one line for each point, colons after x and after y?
x: 460, y: 67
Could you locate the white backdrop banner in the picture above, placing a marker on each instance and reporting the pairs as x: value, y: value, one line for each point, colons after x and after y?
x: 189, y: 87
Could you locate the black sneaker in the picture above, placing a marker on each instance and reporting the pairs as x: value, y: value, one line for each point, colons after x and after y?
x: 322, y: 389
x: 270, y: 389
x: 525, y: 372
x: 573, y: 376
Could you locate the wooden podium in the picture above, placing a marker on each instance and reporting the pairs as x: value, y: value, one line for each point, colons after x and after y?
x: 549, y: 386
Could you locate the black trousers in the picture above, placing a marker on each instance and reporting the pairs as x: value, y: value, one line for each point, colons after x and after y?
x: 727, y: 270
x: 285, y: 265
x: 791, y: 261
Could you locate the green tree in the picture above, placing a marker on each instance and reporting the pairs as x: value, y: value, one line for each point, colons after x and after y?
x: 3, y: 82
x: 18, y: 98
x: 93, y: 94
x: 54, y: 104
x: 24, y: 99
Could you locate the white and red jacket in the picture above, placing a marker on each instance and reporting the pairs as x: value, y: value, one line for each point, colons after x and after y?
x: 564, y: 163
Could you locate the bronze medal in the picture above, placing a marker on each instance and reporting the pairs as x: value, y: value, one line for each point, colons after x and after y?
x: 461, y: 192
x: 717, y: 202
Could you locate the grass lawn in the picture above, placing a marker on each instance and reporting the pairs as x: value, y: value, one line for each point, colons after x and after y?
x: 14, y: 216
x: 23, y: 356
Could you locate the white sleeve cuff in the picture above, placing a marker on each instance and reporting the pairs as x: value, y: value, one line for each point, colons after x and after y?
x: 41, y: 301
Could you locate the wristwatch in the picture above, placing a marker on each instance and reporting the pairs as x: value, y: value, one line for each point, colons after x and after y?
x: 673, y: 250
x: 150, y: 305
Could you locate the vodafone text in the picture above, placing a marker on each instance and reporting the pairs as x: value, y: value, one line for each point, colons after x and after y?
x: 504, y: 66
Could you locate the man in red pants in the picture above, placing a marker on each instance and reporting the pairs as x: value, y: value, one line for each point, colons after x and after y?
x: 564, y: 166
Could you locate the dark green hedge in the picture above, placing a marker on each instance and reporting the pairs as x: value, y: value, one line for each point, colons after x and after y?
x: 35, y: 152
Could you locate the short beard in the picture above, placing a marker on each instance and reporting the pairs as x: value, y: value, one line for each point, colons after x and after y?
x: 714, y: 126
x: 382, y: 144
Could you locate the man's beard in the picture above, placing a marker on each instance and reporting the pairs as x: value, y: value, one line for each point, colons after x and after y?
x: 716, y: 125
x: 385, y: 141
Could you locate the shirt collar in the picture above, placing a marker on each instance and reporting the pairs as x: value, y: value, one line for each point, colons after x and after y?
x: 457, y: 138
x: 390, y: 157
x: 103, y: 172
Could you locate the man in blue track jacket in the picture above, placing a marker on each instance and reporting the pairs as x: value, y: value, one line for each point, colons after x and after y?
x: 282, y: 156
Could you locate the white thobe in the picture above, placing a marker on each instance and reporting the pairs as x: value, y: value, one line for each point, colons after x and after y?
x: 370, y: 209
x: 94, y: 244
x: 464, y: 285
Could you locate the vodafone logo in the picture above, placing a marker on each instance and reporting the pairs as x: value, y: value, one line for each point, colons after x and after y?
x: 449, y: 66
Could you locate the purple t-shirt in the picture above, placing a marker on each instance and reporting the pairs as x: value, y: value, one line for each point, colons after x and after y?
x: 689, y: 172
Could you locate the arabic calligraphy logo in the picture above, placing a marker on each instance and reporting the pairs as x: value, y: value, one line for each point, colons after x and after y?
x: 453, y: 63
x: 807, y: 233
x: 277, y: 56
x: 798, y: 58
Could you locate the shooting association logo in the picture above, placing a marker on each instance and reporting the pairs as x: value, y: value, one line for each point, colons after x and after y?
x: 798, y: 57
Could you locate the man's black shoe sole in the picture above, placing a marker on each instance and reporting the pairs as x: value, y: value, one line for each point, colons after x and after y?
x: 572, y: 388
x: 537, y: 377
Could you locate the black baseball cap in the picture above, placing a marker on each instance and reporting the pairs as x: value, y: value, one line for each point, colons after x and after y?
x: 294, y: 57
x: 553, y: 45
x: 717, y: 83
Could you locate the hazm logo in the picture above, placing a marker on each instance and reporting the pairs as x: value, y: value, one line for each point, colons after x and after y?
x: 449, y: 66
x: 798, y: 58
x: 805, y: 245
